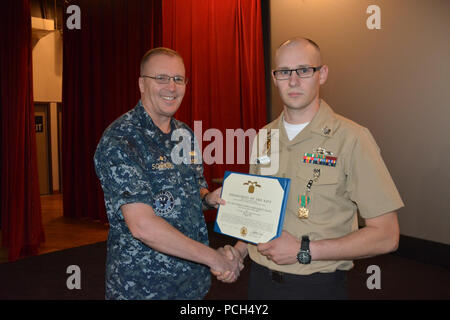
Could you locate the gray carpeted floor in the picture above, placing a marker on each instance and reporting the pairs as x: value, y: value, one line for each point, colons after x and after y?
x: 44, y: 277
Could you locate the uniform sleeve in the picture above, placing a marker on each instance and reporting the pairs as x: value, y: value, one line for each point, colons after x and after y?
x: 122, y: 177
x: 370, y: 184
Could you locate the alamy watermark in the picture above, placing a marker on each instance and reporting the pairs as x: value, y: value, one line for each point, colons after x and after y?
x: 74, y: 20
x: 74, y: 280
x: 372, y: 22
x: 221, y: 150
x: 374, y: 281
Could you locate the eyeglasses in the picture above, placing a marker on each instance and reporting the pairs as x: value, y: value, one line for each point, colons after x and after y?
x: 303, y: 72
x: 164, y: 79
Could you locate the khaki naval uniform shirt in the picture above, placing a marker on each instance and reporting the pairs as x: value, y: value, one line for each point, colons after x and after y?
x: 359, y: 181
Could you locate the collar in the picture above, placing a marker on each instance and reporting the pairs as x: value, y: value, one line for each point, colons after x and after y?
x: 324, y: 123
x: 147, y: 122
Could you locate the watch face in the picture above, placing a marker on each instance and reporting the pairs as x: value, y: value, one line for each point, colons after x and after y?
x: 304, y: 257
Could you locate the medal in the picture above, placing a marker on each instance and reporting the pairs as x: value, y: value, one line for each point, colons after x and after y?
x: 303, y: 211
x: 304, y: 199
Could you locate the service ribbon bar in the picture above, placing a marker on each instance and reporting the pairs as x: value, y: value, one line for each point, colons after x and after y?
x: 319, y: 159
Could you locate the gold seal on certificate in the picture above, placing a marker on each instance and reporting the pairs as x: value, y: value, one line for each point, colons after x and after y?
x: 255, y: 206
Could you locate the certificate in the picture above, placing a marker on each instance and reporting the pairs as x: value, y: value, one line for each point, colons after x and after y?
x: 255, y: 207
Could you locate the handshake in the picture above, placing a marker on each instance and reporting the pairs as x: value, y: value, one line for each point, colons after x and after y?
x: 229, y: 261
x: 228, y: 264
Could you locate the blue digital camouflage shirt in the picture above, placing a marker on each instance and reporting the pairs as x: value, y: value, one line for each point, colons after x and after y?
x: 133, y: 163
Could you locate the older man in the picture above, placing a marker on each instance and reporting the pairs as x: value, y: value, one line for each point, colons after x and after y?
x: 158, y: 241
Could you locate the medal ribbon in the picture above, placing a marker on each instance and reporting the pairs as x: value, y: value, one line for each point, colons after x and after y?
x: 303, y: 200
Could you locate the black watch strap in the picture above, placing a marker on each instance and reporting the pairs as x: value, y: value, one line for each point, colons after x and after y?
x: 205, y: 203
x: 304, y: 255
x: 305, y: 243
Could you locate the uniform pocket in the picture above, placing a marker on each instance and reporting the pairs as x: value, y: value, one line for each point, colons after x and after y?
x: 323, y: 191
x: 328, y: 175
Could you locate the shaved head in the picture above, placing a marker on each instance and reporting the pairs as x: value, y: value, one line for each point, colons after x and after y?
x: 299, y: 40
x: 304, y: 42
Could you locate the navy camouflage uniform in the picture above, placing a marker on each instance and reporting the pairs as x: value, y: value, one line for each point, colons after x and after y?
x: 133, y: 163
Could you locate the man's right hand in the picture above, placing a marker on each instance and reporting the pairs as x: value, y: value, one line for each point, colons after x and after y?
x: 228, y: 266
x: 237, y: 261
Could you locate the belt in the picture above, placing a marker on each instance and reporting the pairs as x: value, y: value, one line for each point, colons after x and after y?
x: 282, y: 277
x: 278, y: 276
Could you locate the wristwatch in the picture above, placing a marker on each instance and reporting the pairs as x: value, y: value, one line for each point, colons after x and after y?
x: 205, y: 203
x: 304, y: 255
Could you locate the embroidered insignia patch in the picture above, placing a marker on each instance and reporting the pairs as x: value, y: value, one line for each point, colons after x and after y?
x: 163, y: 202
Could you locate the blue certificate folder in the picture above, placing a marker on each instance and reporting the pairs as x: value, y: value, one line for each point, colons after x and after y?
x: 285, y: 184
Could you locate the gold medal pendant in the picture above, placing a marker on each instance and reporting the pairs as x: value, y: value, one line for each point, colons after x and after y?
x: 304, y: 199
x: 303, y: 213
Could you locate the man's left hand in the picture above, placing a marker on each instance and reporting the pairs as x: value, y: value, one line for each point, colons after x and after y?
x: 282, y: 250
x: 213, y: 198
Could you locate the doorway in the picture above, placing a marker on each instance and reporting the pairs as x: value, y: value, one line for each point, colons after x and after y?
x: 42, y: 128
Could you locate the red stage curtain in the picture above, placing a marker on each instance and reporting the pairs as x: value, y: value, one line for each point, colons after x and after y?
x: 222, y: 46
x: 100, y: 82
x: 22, y: 230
